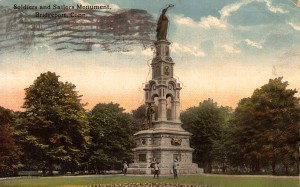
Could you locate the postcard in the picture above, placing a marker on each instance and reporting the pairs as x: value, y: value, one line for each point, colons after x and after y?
x: 218, y: 50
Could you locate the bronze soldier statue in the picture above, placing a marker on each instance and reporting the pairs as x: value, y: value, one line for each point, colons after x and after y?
x: 150, y: 112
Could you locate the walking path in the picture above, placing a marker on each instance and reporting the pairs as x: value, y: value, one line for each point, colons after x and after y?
x: 132, y: 175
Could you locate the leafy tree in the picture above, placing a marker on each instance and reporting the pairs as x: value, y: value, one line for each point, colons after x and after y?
x: 112, y: 136
x: 205, y: 123
x: 243, y: 136
x: 9, y: 150
x: 55, y: 125
x: 222, y: 146
x: 140, y: 115
x: 268, y: 125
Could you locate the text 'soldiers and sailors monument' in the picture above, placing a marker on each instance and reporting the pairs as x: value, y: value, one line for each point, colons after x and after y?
x: 163, y: 139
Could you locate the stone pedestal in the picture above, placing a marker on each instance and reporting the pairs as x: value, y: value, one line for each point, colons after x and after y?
x: 164, y: 143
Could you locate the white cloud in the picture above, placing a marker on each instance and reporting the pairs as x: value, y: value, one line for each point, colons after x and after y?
x: 294, y: 26
x: 44, y: 46
x: 253, y: 44
x: 193, y: 50
x: 229, y: 9
x: 82, y: 2
x: 230, y: 49
x: 205, y: 22
x: 272, y: 8
x: 210, y: 21
x: 185, y: 21
x: 147, y: 52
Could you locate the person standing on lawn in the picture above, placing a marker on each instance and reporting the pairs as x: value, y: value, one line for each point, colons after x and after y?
x: 125, y: 166
x: 175, y: 164
x: 156, y: 169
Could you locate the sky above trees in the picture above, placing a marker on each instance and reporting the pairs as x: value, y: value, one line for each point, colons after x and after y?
x: 222, y: 49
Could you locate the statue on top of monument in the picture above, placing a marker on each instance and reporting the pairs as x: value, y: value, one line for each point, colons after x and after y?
x: 162, y: 25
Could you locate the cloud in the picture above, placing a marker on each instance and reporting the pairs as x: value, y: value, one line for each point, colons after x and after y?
x: 274, y: 9
x: 193, y: 50
x: 230, y: 49
x: 147, y: 52
x: 185, y: 21
x: 229, y: 9
x: 82, y: 2
x: 210, y: 21
x: 45, y: 47
x: 253, y: 44
x: 294, y: 26
x: 225, y: 13
x: 205, y: 22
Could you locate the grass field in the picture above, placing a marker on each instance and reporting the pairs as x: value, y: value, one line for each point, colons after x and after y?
x: 216, y: 180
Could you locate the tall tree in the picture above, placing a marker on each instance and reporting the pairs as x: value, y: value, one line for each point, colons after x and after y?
x: 268, y: 124
x: 9, y: 150
x: 112, y: 136
x: 140, y: 115
x: 57, y: 128
x: 205, y: 123
x: 222, y: 146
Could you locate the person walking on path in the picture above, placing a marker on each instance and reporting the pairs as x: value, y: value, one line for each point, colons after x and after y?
x: 125, y: 166
x: 175, y: 164
x: 156, y: 169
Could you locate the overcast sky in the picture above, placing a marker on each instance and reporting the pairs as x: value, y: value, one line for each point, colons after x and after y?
x: 222, y: 50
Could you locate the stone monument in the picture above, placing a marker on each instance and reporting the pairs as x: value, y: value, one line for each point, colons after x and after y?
x: 163, y: 139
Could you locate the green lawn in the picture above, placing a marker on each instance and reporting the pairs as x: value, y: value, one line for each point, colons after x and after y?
x: 222, y: 181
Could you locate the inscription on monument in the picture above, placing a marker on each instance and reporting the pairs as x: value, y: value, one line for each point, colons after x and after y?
x: 142, y: 157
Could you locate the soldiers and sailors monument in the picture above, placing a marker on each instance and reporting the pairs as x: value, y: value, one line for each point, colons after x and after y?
x: 163, y: 139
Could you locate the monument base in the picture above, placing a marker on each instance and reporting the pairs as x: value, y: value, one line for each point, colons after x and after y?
x: 166, y: 142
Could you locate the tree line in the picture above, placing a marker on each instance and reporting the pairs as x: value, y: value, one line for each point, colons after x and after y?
x: 260, y: 135
x: 56, y: 133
